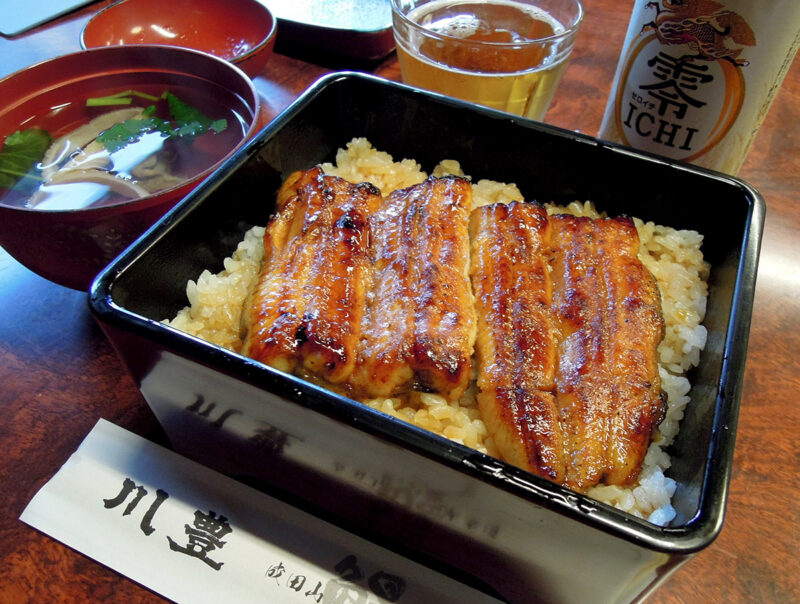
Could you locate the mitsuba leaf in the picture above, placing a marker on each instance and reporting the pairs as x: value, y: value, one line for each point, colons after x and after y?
x: 190, y: 119
x: 187, y: 121
x: 219, y: 125
x: 23, y: 149
x: 129, y: 131
x: 184, y: 113
x: 20, y: 153
x: 189, y: 129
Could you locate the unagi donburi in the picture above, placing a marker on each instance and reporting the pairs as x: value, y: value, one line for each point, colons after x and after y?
x: 552, y: 337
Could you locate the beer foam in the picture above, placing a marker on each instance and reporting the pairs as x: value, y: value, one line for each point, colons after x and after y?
x: 458, y: 20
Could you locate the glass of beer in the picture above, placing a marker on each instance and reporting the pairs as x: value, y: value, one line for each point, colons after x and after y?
x: 504, y: 54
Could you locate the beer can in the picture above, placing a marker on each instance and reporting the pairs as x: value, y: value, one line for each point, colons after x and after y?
x: 696, y: 78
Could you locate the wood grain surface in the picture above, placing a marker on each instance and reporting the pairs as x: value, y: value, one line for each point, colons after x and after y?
x: 59, y: 375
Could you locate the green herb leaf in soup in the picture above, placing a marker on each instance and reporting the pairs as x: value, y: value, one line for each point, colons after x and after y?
x: 20, y: 153
x: 190, y: 119
x: 124, y: 133
x: 132, y: 145
x: 187, y: 120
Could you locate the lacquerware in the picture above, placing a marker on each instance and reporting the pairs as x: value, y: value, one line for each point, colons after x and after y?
x: 70, y: 247
x: 240, y: 31
x: 467, y: 514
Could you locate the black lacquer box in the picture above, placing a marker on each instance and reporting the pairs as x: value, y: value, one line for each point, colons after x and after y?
x: 465, y: 513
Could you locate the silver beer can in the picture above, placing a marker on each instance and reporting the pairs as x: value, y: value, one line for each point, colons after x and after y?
x: 696, y: 78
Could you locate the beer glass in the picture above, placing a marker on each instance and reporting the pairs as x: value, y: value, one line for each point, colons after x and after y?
x: 504, y: 54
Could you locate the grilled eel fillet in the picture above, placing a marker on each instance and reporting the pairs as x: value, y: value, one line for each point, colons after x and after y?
x: 372, y: 295
x: 419, y: 326
x: 366, y: 293
x: 567, y: 368
x: 608, y: 311
x: 516, y: 343
x: 304, y: 315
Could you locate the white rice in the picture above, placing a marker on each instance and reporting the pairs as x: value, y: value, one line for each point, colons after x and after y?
x: 674, y: 258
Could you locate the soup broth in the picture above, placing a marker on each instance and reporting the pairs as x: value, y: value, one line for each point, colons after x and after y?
x: 84, y: 172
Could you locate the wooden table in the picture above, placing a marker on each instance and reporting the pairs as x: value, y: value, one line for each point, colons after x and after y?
x: 59, y: 375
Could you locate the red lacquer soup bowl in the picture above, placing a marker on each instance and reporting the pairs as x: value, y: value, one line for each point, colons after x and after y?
x: 240, y: 31
x: 68, y: 239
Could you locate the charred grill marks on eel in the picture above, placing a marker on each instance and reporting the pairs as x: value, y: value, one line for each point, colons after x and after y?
x: 608, y: 313
x: 419, y: 327
x: 366, y: 293
x: 305, y: 312
x: 516, y: 346
x: 377, y: 297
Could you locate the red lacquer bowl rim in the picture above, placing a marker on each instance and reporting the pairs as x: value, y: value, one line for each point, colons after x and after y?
x: 261, y: 9
x: 75, y: 67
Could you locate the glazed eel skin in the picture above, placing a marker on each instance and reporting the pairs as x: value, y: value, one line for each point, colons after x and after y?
x: 378, y: 297
x: 304, y: 315
x: 569, y: 321
x: 608, y: 310
x: 419, y: 327
x: 516, y: 343
x: 368, y: 293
